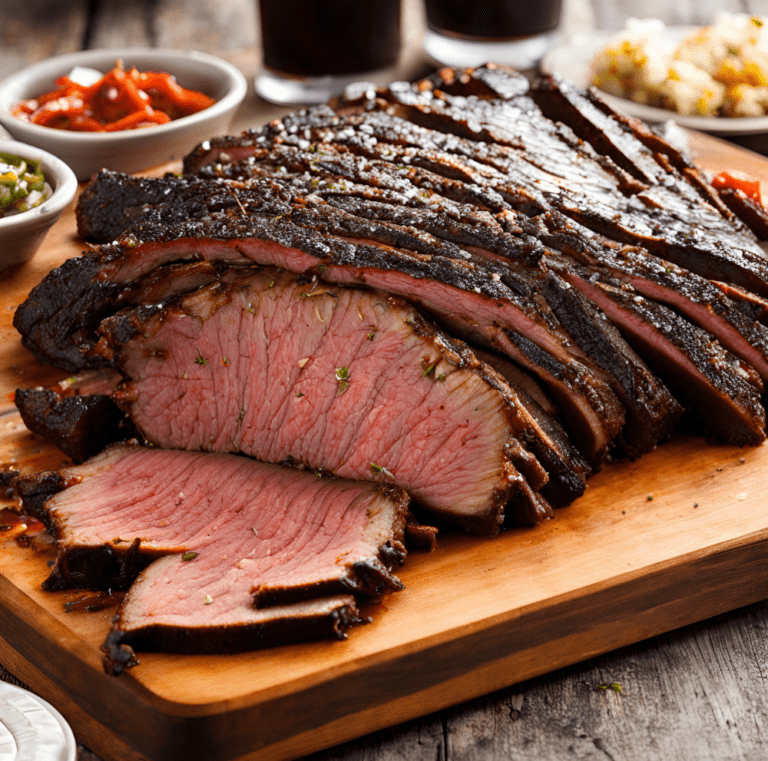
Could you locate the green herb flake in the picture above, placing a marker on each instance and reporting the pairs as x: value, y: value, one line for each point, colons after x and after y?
x: 224, y: 362
x: 758, y: 22
x: 299, y: 394
x: 649, y: 498
x: 200, y: 359
x: 429, y: 370
x: 187, y: 556
x: 441, y: 377
x: 342, y: 373
x: 343, y: 386
x: 371, y: 334
x: 380, y: 469
x: 615, y: 686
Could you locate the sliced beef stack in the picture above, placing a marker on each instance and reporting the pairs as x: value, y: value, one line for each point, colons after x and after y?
x: 270, y: 555
x: 338, y: 379
x: 588, y: 261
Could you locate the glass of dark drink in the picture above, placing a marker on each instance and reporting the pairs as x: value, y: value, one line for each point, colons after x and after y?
x: 313, y: 48
x: 513, y: 32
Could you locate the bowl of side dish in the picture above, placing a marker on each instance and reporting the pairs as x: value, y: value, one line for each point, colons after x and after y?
x: 35, y: 188
x: 130, y: 149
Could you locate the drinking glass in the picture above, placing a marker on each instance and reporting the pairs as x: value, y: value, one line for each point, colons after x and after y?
x: 512, y: 32
x: 313, y: 48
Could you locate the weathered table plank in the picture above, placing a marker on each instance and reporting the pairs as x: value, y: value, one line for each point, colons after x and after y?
x: 31, y: 30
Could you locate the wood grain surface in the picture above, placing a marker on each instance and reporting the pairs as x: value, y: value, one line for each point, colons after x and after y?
x: 697, y: 694
x: 652, y: 546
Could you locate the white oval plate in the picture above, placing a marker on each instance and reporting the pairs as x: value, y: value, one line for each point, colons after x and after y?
x: 572, y: 59
x: 31, y: 729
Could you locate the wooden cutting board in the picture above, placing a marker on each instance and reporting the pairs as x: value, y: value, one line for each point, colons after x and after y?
x: 676, y: 537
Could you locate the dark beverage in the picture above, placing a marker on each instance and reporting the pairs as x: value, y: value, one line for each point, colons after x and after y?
x: 493, y: 19
x: 317, y: 38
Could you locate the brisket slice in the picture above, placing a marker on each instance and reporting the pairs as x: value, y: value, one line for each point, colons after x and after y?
x: 581, y: 110
x: 652, y: 412
x: 546, y: 439
x: 724, y: 391
x: 753, y: 307
x: 697, y: 298
x: 474, y: 302
x: 751, y: 213
x: 340, y: 380
x: 78, y: 414
x: 237, y: 554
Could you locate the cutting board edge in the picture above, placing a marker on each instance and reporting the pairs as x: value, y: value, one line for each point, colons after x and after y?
x: 679, y: 592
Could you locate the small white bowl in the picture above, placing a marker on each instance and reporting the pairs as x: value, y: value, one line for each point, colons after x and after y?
x: 128, y: 150
x: 22, y: 234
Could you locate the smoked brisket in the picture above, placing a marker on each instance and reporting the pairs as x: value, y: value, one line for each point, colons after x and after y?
x: 219, y: 553
x: 335, y: 379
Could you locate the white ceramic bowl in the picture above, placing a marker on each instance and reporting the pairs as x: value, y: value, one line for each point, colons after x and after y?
x: 128, y: 150
x: 22, y: 234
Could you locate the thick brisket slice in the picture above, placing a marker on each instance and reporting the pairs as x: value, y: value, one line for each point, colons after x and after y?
x: 752, y: 214
x: 108, y: 206
x: 724, y: 390
x: 78, y: 414
x: 545, y: 436
x: 342, y: 380
x: 562, y: 101
x: 652, y: 413
x: 235, y: 548
x: 488, y: 81
x: 697, y: 298
x: 753, y: 307
x: 251, y: 224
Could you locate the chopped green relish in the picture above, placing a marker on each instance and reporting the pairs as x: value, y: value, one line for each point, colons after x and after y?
x: 22, y: 185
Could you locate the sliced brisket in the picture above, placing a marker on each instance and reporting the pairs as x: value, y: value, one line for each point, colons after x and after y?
x: 341, y: 380
x: 700, y: 300
x: 752, y: 214
x: 474, y: 302
x: 78, y: 414
x: 724, y: 390
x: 238, y: 554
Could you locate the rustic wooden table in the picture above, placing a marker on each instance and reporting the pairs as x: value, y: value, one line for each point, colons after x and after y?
x: 697, y: 694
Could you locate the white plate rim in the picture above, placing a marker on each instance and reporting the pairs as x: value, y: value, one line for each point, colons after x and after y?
x: 70, y: 745
x: 571, y: 59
